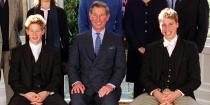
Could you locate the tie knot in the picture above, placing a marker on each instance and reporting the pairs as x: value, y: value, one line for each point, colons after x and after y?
x: 97, y: 33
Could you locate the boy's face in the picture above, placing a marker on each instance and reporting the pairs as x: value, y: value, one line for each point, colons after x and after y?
x: 168, y: 28
x: 35, y: 32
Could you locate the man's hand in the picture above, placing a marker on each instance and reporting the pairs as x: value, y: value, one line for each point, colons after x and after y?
x: 78, y: 88
x: 141, y: 50
x: 31, y: 96
x: 43, y: 95
x: 105, y: 90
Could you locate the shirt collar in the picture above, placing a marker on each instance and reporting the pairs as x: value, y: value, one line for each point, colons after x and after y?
x: 170, y: 43
x: 35, y: 46
x: 101, y: 33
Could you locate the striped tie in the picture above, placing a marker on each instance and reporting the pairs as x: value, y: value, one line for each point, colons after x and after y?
x: 97, y: 43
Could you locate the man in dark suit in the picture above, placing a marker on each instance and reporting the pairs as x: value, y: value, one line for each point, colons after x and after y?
x: 171, y: 70
x: 193, y: 20
x: 35, y: 72
x: 141, y: 28
x: 97, y: 62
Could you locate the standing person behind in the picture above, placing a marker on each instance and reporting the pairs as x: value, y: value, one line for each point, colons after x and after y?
x: 57, y: 32
x: 35, y: 68
x: 140, y: 28
x: 97, y: 62
x: 115, y: 22
x: 11, y: 22
x: 171, y: 69
x: 193, y: 19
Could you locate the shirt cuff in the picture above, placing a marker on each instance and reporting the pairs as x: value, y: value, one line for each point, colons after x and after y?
x: 180, y: 92
x: 158, y: 89
x: 113, y: 86
x: 76, y: 83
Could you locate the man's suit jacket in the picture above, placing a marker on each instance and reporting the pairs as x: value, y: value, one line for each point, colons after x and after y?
x: 193, y: 20
x: 15, y: 24
x: 115, y: 21
x: 20, y: 75
x: 186, y: 62
x: 141, y: 28
x: 93, y: 71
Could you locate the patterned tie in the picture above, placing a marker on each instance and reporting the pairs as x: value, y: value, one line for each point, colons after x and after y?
x: 97, y: 43
x: 2, y: 3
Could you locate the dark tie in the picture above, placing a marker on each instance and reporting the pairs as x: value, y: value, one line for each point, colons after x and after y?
x: 2, y: 3
x: 97, y: 43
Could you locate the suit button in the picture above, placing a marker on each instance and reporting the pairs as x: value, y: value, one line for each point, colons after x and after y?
x: 145, y: 13
x: 145, y: 30
x: 145, y: 22
x: 169, y: 76
x: 168, y: 81
x: 169, y: 69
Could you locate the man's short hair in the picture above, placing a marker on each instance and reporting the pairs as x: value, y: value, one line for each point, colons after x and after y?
x: 99, y: 4
x: 168, y: 13
x: 35, y: 19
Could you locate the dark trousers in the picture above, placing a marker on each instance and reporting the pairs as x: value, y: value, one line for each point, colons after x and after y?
x: 138, y: 89
x: 50, y: 100
x: 83, y: 99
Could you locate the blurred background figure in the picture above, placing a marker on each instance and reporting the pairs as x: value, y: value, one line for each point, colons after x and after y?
x: 11, y: 22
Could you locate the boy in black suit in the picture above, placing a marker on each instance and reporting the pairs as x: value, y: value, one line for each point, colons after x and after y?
x: 35, y: 69
x: 171, y: 69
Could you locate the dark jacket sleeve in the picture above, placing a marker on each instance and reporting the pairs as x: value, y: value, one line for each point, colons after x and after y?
x: 64, y: 34
x: 202, y: 24
x: 146, y: 74
x: 194, y: 78
x: 55, y: 78
x: 15, y: 73
x: 128, y: 26
x: 119, y: 65
x: 74, y: 62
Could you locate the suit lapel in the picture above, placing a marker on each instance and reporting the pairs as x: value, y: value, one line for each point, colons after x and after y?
x: 162, y: 56
x: 28, y: 58
x: 88, y: 42
x: 177, y: 54
x: 105, y: 43
x: 43, y: 58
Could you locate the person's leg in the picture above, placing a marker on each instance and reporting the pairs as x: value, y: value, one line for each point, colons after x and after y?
x: 19, y: 100
x: 81, y: 99
x: 185, y: 100
x: 110, y: 99
x: 145, y: 99
x: 6, y: 67
x: 55, y: 99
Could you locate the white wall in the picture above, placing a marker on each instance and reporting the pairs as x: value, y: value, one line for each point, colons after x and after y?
x: 203, y: 93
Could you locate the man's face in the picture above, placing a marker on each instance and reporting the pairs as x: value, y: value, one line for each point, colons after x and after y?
x: 99, y: 18
x: 168, y: 28
x: 35, y: 33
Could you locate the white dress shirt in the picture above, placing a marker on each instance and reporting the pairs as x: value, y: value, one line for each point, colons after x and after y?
x: 36, y: 49
x: 170, y: 45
